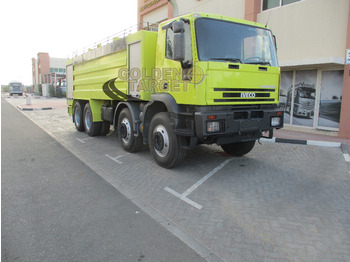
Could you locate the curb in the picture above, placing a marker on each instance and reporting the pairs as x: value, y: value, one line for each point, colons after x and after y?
x: 33, y: 109
x: 308, y: 142
x: 302, y: 142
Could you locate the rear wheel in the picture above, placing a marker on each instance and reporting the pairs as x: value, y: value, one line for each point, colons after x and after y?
x: 129, y: 142
x: 105, y: 128
x: 238, y: 148
x: 163, y: 143
x: 78, y: 117
x: 91, y: 128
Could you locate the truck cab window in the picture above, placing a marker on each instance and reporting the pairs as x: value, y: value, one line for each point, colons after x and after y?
x: 169, y: 43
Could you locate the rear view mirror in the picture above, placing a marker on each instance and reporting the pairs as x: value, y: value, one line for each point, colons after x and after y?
x: 179, y: 47
x: 178, y: 27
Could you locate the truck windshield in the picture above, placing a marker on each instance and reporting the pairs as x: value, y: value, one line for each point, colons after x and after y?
x: 307, y: 94
x: 220, y: 41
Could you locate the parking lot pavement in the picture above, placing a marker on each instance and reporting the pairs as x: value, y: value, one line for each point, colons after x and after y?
x: 281, y: 202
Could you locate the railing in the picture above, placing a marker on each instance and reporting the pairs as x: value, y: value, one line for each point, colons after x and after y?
x: 121, y: 34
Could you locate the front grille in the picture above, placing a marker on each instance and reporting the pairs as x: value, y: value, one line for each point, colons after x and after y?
x: 307, y: 106
x: 245, y: 95
x: 245, y: 89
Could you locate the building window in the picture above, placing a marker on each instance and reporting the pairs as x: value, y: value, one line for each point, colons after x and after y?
x: 57, y: 70
x: 312, y: 98
x: 268, y: 4
x: 331, y: 96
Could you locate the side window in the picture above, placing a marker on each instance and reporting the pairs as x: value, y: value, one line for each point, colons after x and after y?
x: 169, y: 43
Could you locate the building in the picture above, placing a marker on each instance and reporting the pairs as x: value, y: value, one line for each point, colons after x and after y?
x: 47, y: 70
x: 313, y: 37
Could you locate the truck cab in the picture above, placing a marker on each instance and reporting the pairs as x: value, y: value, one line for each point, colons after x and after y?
x: 229, y: 77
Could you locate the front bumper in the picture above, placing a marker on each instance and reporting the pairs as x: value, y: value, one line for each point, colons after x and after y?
x: 236, y: 125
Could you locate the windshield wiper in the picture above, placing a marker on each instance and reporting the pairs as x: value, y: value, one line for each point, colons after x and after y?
x: 234, y: 60
x: 258, y: 63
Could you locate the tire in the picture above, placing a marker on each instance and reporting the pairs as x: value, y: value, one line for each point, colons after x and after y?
x: 91, y: 128
x: 238, y: 148
x: 163, y: 143
x: 129, y: 142
x: 78, y: 117
x: 105, y: 128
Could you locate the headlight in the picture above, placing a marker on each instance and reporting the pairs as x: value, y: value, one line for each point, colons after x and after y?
x: 276, y: 121
x: 213, y: 126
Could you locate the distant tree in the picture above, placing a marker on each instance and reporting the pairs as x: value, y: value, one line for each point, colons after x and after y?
x: 52, y: 92
x: 39, y: 89
x: 5, y: 88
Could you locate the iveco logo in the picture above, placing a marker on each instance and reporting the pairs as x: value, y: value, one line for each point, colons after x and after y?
x: 247, y: 94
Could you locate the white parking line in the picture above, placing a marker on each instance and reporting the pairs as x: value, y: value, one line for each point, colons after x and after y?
x: 184, y: 195
x: 83, y: 140
x: 115, y: 159
x: 183, y: 198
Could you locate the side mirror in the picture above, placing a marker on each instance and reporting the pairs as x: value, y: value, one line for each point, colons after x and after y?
x: 179, y: 47
x: 178, y: 27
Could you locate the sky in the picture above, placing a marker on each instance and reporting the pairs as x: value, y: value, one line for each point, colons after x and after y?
x: 58, y: 28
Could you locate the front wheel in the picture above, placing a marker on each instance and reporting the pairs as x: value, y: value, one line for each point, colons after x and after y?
x: 163, y: 143
x: 238, y: 148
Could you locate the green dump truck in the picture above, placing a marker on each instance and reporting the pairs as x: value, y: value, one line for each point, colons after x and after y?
x: 201, y: 79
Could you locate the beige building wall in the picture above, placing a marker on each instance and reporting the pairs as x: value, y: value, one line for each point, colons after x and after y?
x: 57, y: 62
x: 233, y: 8
x: 309, y: 32
x: 158, y: 15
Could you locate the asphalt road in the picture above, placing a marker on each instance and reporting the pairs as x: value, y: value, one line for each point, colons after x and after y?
x: 55, y: 208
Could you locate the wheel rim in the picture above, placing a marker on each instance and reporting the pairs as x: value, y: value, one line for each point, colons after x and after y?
x: 87, y: 119
x: 125, y: 130
x: 77, y: 116
x: 161, y: 141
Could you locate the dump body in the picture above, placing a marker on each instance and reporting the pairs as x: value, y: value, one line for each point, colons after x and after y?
x: 214, y: 79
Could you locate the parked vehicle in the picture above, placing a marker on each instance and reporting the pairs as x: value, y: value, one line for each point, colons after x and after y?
x: 15, y: 88
x: 201, y: 79
x: 304, y: 100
